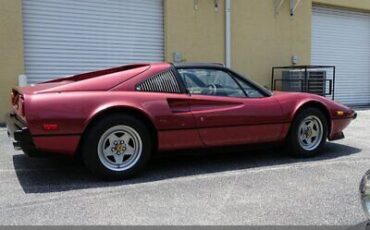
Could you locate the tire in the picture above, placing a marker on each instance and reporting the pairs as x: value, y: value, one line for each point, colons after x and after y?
x: 308, y: 133
x: 117, y: 147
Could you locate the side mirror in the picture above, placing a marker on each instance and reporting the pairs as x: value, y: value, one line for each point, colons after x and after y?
x: 365, y: 193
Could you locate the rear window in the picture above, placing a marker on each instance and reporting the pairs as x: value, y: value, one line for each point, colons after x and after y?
x: 165, y: 82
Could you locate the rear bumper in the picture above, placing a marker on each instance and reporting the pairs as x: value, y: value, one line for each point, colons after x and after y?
x: 41, y: 145
x: 18, y: 132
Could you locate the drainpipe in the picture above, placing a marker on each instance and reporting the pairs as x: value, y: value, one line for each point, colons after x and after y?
x: 228, y: 33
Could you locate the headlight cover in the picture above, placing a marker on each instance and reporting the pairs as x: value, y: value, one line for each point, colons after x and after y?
x: 365, y: 193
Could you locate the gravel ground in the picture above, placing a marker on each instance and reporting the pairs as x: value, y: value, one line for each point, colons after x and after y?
x: 256, y: 187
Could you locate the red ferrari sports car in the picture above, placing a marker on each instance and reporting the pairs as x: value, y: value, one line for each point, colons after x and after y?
x: 115, y: 119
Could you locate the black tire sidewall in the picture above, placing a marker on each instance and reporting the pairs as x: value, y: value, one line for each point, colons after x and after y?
x: 293, y: 145
x: 90, y: 146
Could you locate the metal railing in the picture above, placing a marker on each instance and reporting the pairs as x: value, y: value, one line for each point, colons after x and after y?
x: 318, y: 80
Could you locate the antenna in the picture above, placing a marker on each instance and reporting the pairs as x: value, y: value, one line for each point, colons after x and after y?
x: 293, y: 6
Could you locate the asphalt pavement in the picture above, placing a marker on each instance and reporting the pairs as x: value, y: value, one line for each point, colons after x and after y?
x: 255, y: 187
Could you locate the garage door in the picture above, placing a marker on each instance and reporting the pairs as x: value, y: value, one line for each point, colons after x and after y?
x: 342, y: 38
x: 68, y: 37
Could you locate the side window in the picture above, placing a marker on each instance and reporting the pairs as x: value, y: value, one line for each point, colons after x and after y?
x: 250, y: 90
x: 164, y: 82
x: 210, y: 82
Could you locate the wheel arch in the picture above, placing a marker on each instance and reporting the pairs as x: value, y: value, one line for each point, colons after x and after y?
x: 141, y: 115
x: 317, y: 105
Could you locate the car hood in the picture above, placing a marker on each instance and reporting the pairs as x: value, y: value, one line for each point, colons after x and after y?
x: 301, y: 97
x: 294, y: 100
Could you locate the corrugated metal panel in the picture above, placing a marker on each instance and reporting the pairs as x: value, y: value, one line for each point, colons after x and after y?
x: 68, y: 37
x: 342, y: 38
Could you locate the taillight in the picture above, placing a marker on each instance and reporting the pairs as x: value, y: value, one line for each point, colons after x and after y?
x: 23, y: 109
x: 12, y: 98
x: 18, y: 102
x: 50, y: 127
x: 19, y: 105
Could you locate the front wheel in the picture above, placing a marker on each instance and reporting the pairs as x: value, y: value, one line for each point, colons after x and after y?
x: 117, y: 147
x: 308, y: 133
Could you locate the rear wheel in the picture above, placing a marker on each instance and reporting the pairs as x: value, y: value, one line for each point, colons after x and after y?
x: 117, y: 147
x: 308, y: 133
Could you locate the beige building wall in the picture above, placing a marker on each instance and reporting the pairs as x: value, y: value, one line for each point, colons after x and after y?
x: 11, y: 50
x: 261, y: 39
x: 197, y: 34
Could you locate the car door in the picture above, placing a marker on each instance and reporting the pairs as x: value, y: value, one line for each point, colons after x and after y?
x: 164, y: 97
x: 226, y: 113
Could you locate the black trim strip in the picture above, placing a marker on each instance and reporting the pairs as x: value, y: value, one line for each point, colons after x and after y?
x: 181, y: 83
x: 229, y: 126
x: 161, y: 130
x: 56, y: 135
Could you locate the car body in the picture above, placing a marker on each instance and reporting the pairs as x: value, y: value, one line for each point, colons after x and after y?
x: 175, y: 103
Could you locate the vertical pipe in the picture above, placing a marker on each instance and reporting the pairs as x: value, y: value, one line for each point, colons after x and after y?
x: 334, y: 72
x: 228, y: 33
x: 272, y: 79
x: 305, y: 79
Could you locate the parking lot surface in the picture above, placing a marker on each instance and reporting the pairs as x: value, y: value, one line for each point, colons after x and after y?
x: 256, y: 187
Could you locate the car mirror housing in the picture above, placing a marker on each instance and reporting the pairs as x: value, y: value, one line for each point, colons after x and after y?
x: 365, y: 193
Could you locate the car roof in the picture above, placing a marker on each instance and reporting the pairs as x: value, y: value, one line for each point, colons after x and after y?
x: 197, y: 65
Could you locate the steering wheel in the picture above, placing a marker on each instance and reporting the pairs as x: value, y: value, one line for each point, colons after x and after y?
x: 212, y: 89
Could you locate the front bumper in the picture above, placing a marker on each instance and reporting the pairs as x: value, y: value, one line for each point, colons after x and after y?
x: 353, y: 115
x: 338, y: 125
x: 18, y: 132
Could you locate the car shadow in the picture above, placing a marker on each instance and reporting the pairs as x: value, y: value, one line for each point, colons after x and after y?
x: 58, y: 174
